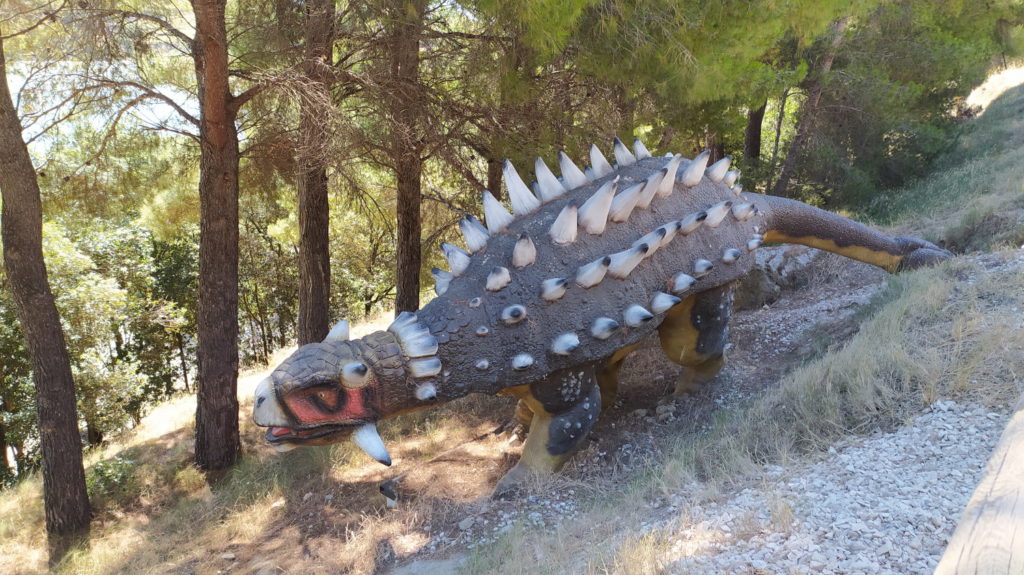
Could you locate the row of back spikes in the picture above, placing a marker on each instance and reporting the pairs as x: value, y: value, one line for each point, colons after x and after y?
x: 594, y: 213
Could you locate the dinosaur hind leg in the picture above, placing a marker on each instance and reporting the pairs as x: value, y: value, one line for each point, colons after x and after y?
x: 694, y: 334
x: 608, y: 375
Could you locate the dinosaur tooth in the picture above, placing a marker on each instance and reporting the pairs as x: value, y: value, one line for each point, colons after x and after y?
x: 651, y: 185
x: 716, y: 172
x: 668, y: 182
x: 475, y: 234
x: 753, y: 244
x: 441, y: 280
x: 743, y: 212
x: 425, y: 391
x: 603, y: 328
x: 495, y: 214
x: 513, y: 314
x: 458, y: 258
x: 599, y: 163
x: 482, y: 364
x: 523, y: 201
x: 717, y: 213
x: 691, y: 222
x: 522, y: 361
x: 498, y: 279
x: 652, y: 240
x: 524, y: 253
x: 424, y: 367
x: 695, y: 170
x: 482, y: 331
x: 565, y: 344
x: 731, y: 255
x: 366, y: 438
x: 702, y: 268
x: 548, y: 185
x: 623, y: 157
x: 553, y: 289
x: 624, y: 202
x: 572, y: 176
x: 354, y: 375
x: 623, y: 263
x: 593, y: 214
x: 682, y: 282
x: 640, y: 150
x: 339, y: 332
x: 591, y: 274
x: 662, y: 302
x: 730, y: 177
x: 563, y: 230
x: 636, y: 316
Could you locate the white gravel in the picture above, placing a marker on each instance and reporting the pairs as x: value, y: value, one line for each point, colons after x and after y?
x: 884, y: 504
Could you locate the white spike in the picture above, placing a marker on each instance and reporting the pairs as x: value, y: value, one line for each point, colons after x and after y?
x: 591, y: 274
x: 547, y: 184
x: 702, y: 268
x: 651, y: 185
x: 523, y: 201
x: 495, y: 214
x: 426, y: 391
x: 731, y: 255
x: 743, y: 212
x: 563, y: 230
x: 691, y: 222
x: 652, y: 241
x: 624, y: 202
x: 367, y: 439
x: 671, y: 229
x: 354, y: 375
x: 604, y: 327
x: 424, y: 367
x: 565, y: 344
x: 267, y: 411
x: 522, y: 361
x: 625, y: 261
x: 716, y: 172
x: 753, y: 244
x: 524, y: 253
x: 640, y: 150
x: 513, y: 314
x: 339, y: 332
x: 482, y: 331
x: 441, y: 280
x: 404, y: 320
x: 599, y: 163
x: 682, y: 282
x: 589, y: 172
x: 737, y: 190
x: 458, y: 258
x: 553, y: 289
x: 482, y: 364
x: 662, y: 302
x: 572, y: 176
x: 593, y: 214
x: 730, y: 177
x: 695, y: 171
x: 623, y: 157
x: 669, y: 181
x: 415, y: 339
x: 498, y: 279
x: 636, y: 316
x: 475, y: 234
x: 717, y: 213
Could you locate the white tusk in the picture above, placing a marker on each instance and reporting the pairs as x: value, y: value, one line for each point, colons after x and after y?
x: 367, y: 439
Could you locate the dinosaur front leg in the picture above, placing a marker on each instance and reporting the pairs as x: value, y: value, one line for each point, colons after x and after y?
x: 565, y: 407
x: 694, y: 335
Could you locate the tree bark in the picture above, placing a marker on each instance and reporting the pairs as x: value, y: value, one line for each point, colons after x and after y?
x: 217, y: 442
x: 65, y: 499
x: 314, y: 209
x: 810, y: 108
x: 752, y: 135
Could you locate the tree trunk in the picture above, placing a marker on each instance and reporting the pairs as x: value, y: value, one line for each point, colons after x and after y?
x: 810, y: 107
x: 752, y: 135
x: 779, y: 118
x: 65, y: 500
x: 314, y: 209
x: 494, y: 176
x: 217, y: 443
x: 184, y: 362
x: 405, y: 104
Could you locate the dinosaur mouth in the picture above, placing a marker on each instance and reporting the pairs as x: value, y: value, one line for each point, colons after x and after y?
x: 290, y: 435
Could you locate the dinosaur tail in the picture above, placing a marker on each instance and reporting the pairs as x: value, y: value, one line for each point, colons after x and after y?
x: 789, y: 221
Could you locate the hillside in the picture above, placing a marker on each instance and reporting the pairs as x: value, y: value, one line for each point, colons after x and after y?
x: 850, y: 377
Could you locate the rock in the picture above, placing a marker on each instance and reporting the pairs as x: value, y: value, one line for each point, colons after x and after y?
x: 228, y: 556
x: 466, y: 523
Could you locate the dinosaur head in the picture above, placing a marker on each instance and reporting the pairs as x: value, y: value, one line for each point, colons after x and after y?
x: 329, y: 391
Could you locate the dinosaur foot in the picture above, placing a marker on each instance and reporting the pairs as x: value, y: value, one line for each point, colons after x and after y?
x: 515, y: 483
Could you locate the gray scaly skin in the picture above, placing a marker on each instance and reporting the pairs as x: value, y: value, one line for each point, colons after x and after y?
x: 492, y: 330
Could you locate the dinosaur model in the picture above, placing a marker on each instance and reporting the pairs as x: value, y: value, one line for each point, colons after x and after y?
x: 549, y: 299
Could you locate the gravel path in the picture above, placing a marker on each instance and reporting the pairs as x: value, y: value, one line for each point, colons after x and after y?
x: 884, y: 504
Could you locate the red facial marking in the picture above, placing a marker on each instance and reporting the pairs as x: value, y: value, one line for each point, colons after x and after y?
x: 320, y: 405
